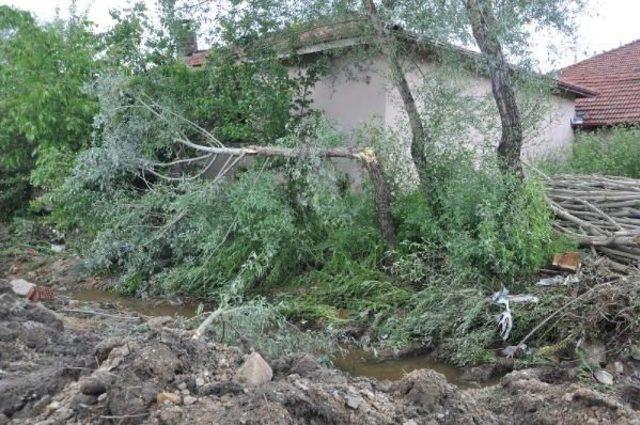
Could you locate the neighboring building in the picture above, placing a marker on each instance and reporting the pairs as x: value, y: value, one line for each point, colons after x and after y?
x: 359, y: 90
x: 615, y: 77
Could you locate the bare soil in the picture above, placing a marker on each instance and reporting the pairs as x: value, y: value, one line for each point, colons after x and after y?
x: 83, y: 362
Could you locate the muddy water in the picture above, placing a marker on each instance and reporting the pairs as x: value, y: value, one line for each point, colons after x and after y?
x: 358, y: 362
x: 355, y: 361
x: 152, y: 308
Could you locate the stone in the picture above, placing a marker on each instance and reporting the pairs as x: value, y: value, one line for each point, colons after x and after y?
x: 353, y: 401
x: 603, y: 377
x: 182, y: 386
x: 92, y: 386
x: 185, y: 392
x: 189, y: 400
x: 199, y: 382
x: 3, y: 419
x: 617, y: 368
x: 635, y: 353
x: 167, y: 397
x: 254, y: 371
x: 22, y: 287
x: 159, y: 322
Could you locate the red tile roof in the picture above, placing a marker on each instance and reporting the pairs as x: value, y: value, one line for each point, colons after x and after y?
x: 615, y: 77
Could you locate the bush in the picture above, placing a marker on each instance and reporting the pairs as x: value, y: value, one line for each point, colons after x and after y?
x: 614, y: 152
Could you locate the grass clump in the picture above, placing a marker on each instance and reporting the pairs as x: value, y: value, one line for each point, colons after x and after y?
x: 614, y: 152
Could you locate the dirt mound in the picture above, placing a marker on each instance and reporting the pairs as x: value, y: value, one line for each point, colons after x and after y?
x: 90, y: 363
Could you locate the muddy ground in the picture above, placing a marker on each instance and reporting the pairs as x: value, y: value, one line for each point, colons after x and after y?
x: 82, y: 362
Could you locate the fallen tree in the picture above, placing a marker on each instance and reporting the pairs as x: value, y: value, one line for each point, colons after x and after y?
x: 600, y: 212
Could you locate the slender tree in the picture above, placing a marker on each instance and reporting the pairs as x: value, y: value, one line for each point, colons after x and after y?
x: 484, y: 27
x: 390, y: 49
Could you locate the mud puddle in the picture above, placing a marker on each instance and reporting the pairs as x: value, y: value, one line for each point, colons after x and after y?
x: 150, y: 308
x: 361, y: 363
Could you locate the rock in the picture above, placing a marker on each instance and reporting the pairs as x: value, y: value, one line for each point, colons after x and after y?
x: 92, y: 386
x: 185, y: 392
x: 603, y: 377
x: 635, y: 353
x: 199, y: 381
x: 189, y: 400
x: 410, y: 422
x: 102, y: 350
x: 22, y: 288
x: 159, y: 322
x: 3, y: 419
x: 167, y: 397
x: 82, y: 400
x: 182, y: 386
x: 53, y: 406
x: 616, y: 368
x: 254, y: 371
x: 353, y: 401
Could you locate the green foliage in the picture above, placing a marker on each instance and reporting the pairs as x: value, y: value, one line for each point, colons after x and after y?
x: 614, y: 152
x: 483, y: 224
x: 43, y: 102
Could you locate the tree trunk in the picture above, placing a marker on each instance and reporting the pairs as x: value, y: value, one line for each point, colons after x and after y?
x: 484, y: 25
x: 418, y: 133
x: 381, y: 192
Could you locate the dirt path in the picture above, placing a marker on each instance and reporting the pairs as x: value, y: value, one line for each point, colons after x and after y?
x: 69, y: 361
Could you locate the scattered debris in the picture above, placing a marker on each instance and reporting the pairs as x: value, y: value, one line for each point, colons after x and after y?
x: 558, y: 280
x: 31, y: 291
x: 57, y: 248
x: 568, y: 261
x: 167, y: 397
x: 515, y: 352
x: 505, y: 319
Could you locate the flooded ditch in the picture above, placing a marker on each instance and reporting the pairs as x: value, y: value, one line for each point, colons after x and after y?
x: 354, y: 361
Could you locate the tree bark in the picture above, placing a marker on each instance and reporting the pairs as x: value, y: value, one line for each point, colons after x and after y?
x: 418, y: 133
x: 484, y: 25
x: 381, y: 192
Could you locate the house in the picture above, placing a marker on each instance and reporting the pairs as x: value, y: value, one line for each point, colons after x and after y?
x: 615, y: 77
x: 358, y: 91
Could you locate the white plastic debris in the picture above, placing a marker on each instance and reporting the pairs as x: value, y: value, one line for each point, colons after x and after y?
x: 558, y: 280
x: 505, y: 319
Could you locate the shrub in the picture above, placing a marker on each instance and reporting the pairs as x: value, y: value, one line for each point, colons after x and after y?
x: 614, y: 152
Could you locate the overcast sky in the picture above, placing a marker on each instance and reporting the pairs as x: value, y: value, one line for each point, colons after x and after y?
x: 606, y: 24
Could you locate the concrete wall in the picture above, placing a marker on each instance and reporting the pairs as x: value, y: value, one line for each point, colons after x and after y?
x: 360, y: 92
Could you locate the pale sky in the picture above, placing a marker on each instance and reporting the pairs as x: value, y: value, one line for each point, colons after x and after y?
x: 606, y: 24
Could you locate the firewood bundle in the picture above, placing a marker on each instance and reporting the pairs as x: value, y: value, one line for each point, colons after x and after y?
x: 599, y: 212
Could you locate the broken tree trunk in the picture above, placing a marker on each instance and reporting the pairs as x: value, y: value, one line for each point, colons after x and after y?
x: 484, y: 27
x: 418, y: 133
x: 381, y: 191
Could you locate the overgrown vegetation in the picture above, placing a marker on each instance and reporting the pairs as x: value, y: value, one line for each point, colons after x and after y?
x: 285, y: 234
x: 614, y: 152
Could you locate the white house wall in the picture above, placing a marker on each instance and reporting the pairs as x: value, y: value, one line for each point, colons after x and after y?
x: 360, y: 92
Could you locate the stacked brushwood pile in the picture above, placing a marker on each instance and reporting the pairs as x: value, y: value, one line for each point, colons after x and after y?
x: 599, y: 212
